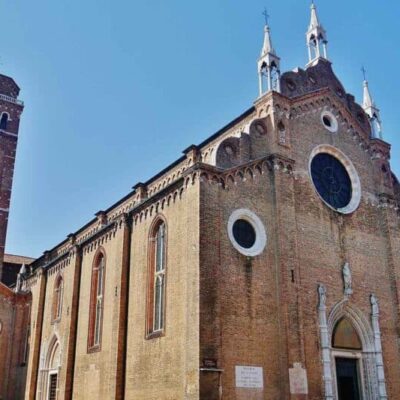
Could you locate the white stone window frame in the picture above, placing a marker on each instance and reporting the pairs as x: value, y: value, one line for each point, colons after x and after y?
x: 259, y: 229
x: 333, y: 120
x: 351, y: 170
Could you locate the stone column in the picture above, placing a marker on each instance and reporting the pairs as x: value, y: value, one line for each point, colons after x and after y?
x: 269, y: 78
x: 309, y: 52
x: 260, y: 83
x: 278, y: 81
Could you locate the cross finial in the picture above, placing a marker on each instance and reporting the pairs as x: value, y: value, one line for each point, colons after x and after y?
x: 364, y: 71
x: 266, y: 15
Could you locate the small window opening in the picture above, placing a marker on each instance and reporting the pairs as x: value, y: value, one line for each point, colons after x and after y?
x: 4, y: 121
x: 327, y: 121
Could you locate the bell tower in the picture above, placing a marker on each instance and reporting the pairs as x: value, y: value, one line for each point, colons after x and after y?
x: 10, y: 112
x: 268, y: 65
x: 317, y: 40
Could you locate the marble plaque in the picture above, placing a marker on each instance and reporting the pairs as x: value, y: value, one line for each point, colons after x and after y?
x: 249, y: 377
x: 298, y: 379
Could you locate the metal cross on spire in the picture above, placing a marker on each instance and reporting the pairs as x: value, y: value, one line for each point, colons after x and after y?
x: 364, y: 71
x: 266, y: 15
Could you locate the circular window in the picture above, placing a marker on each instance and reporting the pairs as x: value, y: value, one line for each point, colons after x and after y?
x: 244, y: 233
x: 331, y: 180
x: 247, y: 232
x: 260, y: 129
x: 335, y: 179
x: 329, y: 121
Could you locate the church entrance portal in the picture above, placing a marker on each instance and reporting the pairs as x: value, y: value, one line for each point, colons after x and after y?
x: 347, y: 378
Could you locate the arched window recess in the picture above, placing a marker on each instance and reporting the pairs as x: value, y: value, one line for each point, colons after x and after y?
x: 157, y: 279
x: 57, y: 298
x: 96, y: 307
x: 4, y: 121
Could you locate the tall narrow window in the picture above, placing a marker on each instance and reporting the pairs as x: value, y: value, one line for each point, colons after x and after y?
x: 157, y: 272
x: 57, y: 298
x: 4, y: 121
x: 96, y: 303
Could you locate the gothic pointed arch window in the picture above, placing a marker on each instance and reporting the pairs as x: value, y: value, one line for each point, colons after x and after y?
x: 4, y: 121
x: 157, y: 279
x: 57, y: 298
x: 96, y: 302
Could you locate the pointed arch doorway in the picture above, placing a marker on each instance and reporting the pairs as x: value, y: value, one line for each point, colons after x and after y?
x: 53, y: 366
x: 347, y: 353
x: 351, y: 351
x: 48, y: 387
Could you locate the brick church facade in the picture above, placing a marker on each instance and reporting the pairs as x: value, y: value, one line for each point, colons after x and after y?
x: 264, y: 263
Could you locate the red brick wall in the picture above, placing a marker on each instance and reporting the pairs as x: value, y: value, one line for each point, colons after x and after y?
x: 14, y: 318
x: 263, y: 311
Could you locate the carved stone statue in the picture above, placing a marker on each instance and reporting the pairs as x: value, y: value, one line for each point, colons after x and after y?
x: 322, y: 295
x: 374, y: 305
x: 347, y: 279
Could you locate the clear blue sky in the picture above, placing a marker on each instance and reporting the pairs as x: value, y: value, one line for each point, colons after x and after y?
x: 115, y: 90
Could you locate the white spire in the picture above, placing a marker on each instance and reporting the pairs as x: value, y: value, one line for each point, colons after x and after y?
x: 268, y: 64
x: 22, y: 271
x: 316, y: 38
x: 314, y: 23
x: 367, y: 99
x: 267, y: 48
x: 372, y: 111
x: 20, y: 278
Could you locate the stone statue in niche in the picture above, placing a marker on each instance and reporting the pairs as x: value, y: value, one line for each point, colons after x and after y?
x: 322, y: 295
x: 374, y: 305
x: 347, y: 279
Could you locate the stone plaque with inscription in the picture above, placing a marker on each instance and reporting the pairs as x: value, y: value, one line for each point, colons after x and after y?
x: 298, y: 379
x: 249, y: 377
